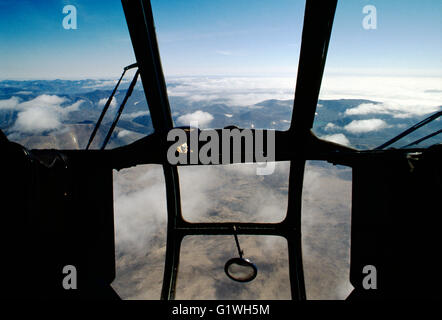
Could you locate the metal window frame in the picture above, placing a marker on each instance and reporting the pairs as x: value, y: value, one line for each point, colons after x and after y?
x: 318, y: 22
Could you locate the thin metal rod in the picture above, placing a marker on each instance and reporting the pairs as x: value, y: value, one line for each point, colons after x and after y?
x: 108, y: 102
x: 120, y: 110
x: 423, y: 139
x: 410, y: 130
x: 240, y: 252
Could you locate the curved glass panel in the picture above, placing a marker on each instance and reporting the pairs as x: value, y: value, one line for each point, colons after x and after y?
x: 230, y: 62
x: 60, y: 63
x: 383, y: 73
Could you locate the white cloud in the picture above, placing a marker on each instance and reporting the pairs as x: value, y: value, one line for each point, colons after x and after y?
x: 98, y: 84
x: 203, y: 118
x: 140, y: 206
x: 124, y: 133
x: 397, y: 96
x: 337, y: 138
x: 37, y: 119
x: 235, y: 91
x: 103, y: 101
x: 134, y: 115
x: 331, y: 127
x: 73, y: 107
x: 366, y: 108
x: 40, y: 114
x: 43, y: 100
x: 10, y: 103
x: 395, y: 110
x: 363, y: 126
x: 400, y: 97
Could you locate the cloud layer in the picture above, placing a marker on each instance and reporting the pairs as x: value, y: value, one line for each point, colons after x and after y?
x: 43, y: 113
x: 235, y: 91
x: 103, y: 101
x: 337, y: 138
x: 400, y: 97
x: 364, y: 126
x: 201, y: 117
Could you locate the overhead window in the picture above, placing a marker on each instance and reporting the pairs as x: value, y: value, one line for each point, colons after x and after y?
x: 383, y: 73
x: 231, y: 62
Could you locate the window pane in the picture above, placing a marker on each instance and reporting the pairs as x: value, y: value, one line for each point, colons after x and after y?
x: 382, y: 75
x: 201, y: 271
x: 140, y: 231
x: 234, y: 192
x: 326, y: 212
x: 230, y: 62
x: 56, y: 79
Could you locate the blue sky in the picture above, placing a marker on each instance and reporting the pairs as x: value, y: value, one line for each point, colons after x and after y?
x: 256, y: 38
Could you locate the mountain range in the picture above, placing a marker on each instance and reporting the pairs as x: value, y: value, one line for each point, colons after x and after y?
x: 343, y: 121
